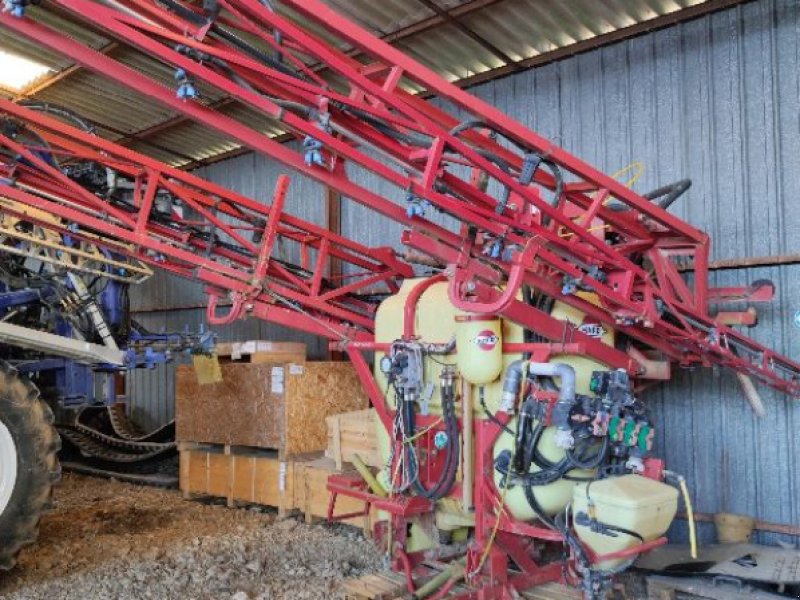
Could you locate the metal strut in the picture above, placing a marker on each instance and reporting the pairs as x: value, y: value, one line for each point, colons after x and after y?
x: 590, y: 232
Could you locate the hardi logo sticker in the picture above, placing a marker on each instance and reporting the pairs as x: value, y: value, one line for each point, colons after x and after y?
x: 486, y: 340
x: 594, y: 330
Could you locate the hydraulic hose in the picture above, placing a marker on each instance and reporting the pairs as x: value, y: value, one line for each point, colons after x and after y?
x: 59, y: 111
x: 452, y: 454
x: 531, y: 163
x: 590, y: 463
x: 667, y: 194
x: 681, y: 481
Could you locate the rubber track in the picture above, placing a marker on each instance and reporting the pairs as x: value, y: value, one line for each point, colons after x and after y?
x: 93, y: 447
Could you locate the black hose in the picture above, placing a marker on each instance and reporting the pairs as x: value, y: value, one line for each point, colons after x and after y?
x: 593, y: 462
x: 228, y: 36
x: 665, y: 195
x: 540, y: 160
x: 490, y: 415
x: 522, y: 458
x: 59, y: 111
x: 669, y: 193
x: 452, y: 449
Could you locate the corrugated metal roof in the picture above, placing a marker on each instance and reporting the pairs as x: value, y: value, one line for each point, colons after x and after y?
x: 466, y: 38
x: 102, y: 101
x: 53, y: 18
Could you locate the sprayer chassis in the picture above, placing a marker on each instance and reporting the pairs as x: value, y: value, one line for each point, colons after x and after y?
x: 575, y: 243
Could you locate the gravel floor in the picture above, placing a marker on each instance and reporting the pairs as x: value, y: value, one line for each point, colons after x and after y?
x: 110, y: 540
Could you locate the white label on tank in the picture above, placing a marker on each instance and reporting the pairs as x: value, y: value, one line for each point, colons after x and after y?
x: 486, y: 340
x: 295, y: 369
x: 594, y: 330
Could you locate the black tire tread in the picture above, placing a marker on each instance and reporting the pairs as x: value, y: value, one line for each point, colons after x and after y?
x: 19, y: 524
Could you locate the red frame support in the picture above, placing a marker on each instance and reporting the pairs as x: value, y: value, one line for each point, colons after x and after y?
x: 255, y: 280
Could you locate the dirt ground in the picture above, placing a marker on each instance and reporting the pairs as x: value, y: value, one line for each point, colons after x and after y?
x: 110, y: 540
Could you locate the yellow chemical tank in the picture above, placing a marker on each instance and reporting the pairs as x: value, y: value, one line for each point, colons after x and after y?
x: 630, y: 502
x: 479, y: 340
x: 437, y: 321
x: 552, y: 498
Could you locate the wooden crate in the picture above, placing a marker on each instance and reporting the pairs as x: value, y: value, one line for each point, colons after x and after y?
x: 353, y: 433
x: 311, y: 493
x: 266, y: 405
x: 257, y: 476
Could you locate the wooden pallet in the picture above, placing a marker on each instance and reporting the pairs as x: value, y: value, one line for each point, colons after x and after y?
x: 237, y: 474
x: 245, y: 475
x: 389, y: 585
x: 671, y: 588
x: 377, y: 586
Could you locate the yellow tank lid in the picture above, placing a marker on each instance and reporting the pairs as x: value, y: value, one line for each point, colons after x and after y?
x: 628, y: 491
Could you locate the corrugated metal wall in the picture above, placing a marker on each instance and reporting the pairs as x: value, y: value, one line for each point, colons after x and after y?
x: 717, y: 100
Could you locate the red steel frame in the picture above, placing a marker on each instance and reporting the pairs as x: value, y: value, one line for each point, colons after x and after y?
x: 655, y: 308
x: 250, y: 276
x: 551, y: 244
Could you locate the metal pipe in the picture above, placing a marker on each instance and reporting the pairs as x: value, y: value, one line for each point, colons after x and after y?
x: 410, y: 308
x: 649, y: 368
x: 561, y: 370
x: 752, y: 395
x: 511, y: 386
x: 467, y: 462
x: 566, y: 398
x: 447, y: 578
x: 369, y: 478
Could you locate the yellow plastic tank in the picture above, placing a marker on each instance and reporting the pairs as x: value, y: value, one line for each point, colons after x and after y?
x: 552, y: 498
x: 583, y: 365
x: 630, y: 502
x: 479, y: 341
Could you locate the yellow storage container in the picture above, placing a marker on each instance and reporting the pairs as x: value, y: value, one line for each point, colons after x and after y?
x: 630, y: 502
x: 479, y: 341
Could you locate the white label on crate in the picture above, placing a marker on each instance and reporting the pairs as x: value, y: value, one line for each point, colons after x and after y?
x: 295, y: 369
x: 282, y: 477
x: 277, y: 380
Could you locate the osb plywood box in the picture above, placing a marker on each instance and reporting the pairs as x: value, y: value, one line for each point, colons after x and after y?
x: 262, y: 351
x: 266, y: 405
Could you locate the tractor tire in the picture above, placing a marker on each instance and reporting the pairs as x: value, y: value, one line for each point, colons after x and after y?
x: 28, y: 462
